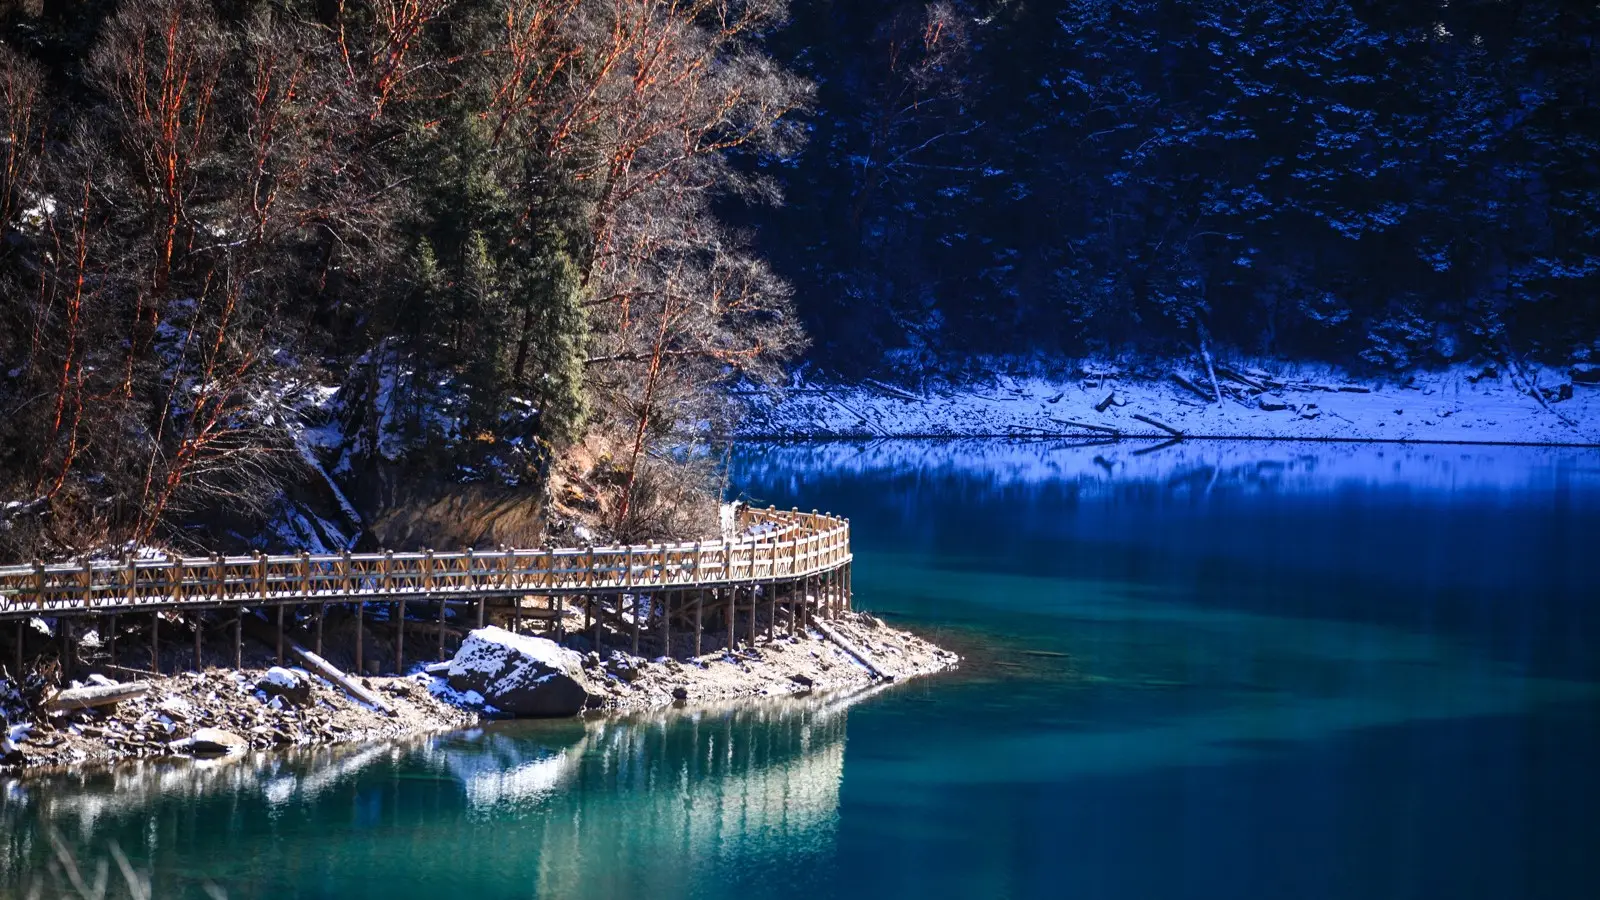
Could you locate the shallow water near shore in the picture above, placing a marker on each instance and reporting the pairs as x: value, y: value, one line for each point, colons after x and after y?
x: 1205, y: 671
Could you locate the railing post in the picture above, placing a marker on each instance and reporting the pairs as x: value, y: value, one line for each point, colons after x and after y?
x: 88, y: 582
x: 131, y: 574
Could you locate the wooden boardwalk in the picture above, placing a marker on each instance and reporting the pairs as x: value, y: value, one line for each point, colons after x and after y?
x: 805, y: 556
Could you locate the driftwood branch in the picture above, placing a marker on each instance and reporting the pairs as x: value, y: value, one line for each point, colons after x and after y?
x: 850, y: 648
x: 1088, y: 427
x: 1184, y: 382
x: 97, y: 695
x: 259, y: 630
x: 331, y: 672
x: 1161, y: 425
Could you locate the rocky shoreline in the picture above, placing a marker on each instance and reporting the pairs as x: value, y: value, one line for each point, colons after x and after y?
x: 222, y: 710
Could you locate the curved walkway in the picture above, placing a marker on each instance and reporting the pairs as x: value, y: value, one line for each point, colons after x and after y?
x: 772, y: 546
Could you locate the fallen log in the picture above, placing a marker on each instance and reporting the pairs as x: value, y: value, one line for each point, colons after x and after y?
x: 1226, y: 372
x: 1085, y: 425
x: 894, y: 391
x: 1186, y: 383
x: 850, y: 648
x: 1161, y: 425
x: 97, y: 695
x: 1105, y: 404
x: 331, y: 672
x: 261, y: 632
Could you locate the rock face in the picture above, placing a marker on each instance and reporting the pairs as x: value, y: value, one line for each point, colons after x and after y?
x: 520, y: 675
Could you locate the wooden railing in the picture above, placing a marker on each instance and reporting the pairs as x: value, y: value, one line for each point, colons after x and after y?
x: 772, y: 545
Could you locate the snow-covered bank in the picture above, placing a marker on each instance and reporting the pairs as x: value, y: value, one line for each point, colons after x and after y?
x: 1280, y: 467
x: 1463, y: 404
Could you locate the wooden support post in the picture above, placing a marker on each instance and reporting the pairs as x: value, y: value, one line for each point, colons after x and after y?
x: 752, y: 615
x: 728, y: 609
x: 155, y: 642
x: 427, y: 571
x: 400, y: 637
x: 516, y: 614
x: 322, y: 611
x: 361, y: 636
x: 442, y: 608
x: 280, y: 634
x: 481, y: 602
x: 666, y: 626
x: 594, y: 637
x: 199, y: 628
x: 588, y: 612
x: 805, y: 602
x: 561, y: 618
x: 113, y: 641
x: 22, y: 632
x: 238, y: 638
x: 699, y: 609
x: 638, y: 601
x: 69, y: 654
x: 772, y: 610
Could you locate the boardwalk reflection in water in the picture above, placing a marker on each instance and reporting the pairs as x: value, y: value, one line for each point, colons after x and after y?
x: 654, y: 804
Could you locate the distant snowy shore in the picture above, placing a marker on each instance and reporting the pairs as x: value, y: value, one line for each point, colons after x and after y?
x: 1476, y: 404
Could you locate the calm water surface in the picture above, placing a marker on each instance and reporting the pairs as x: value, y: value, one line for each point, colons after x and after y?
x: 1210, y: 671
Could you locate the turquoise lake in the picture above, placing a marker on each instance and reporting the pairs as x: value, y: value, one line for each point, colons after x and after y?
x: 1219, y: 670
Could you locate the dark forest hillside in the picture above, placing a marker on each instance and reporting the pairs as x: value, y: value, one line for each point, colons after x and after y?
x: 1378, y: 183
x: 262, y: 255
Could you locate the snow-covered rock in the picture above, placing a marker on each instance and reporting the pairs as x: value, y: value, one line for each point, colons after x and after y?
x: 11, y: 736
x: 521, y: 675
x: 280, y: 682
x: 212, y: 742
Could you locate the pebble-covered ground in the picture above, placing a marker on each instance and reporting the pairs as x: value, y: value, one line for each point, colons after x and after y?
x: 255, y: 706
x: 783, y: 665
x: 179, y: 705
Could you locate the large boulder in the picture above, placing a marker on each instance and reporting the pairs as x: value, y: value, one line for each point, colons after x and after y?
x: 521, y: 675
x: 280, y: 682
x: 212, y: 742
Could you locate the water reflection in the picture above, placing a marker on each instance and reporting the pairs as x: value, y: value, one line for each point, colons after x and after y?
x: 1209, y: 671
x: 548, y: 809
